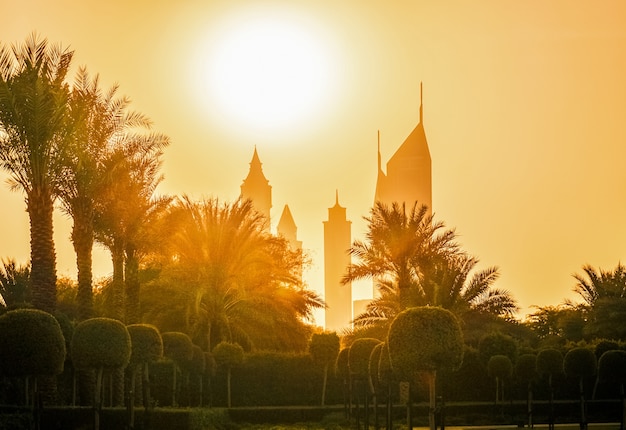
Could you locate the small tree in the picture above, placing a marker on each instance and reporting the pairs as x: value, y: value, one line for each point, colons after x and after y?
x: 497, y: 344
x: 549, y: 364
x: 526, y: 372
x: 374, y: 381
x: 195, y: 368
x: 324, y: 348
x: 228, y: 355
x: 342, y: 371
x: 425, y: 339
x: 358, y: 363
x: 100, y: 343
x: 209, y: 373
x: 612, y: 368
x: 178, y: 347
x: 580, y: 363
x: 146, y: 347
x: 500, y: 368
x: 32, y: 346
x: 385, y: 378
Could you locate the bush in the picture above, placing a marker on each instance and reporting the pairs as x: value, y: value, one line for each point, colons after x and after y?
x: 177, y: 346
x: 101, y: 343
x: 146, y: 343
x: 32, y: 344
x: 359, y: 357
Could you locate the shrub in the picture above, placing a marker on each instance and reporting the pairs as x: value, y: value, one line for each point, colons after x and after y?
x: 359, y: 357
x: 146, y: 343
x: 177, y: 346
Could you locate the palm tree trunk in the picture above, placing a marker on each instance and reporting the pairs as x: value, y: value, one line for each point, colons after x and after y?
x: 82, y: 239
x: 432, y: 377
x: 42, y: 253
x: 117, y: 285
x: 131, y: 287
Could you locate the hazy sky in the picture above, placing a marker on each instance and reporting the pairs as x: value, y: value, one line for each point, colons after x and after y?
x: 524, y: 112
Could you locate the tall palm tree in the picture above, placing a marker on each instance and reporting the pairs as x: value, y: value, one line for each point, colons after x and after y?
x: 33, y: 134
x: 400, y: 247
x: 100, y: 122
x: 239, y: 282
x: 414, y: 263
x: 127, y: 214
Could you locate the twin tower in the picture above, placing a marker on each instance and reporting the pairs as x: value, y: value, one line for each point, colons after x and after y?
x: 407, y: 179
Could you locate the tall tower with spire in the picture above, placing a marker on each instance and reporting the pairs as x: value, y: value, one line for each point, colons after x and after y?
x: 337, y: 241
x: 409, y: 177
x: 256, y: 187
x: 287, y: 228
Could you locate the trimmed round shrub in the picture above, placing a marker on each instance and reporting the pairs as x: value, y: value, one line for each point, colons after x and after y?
x: 31, y: 344
x: 604, y: 346
x: 526, y: 367
x: 197, y: 364
x: 100, y: 343
x: 324, y: 347
x: 425, y: 339
x: 549, y: 362
x: 580, y: 363
x: 374, y: 361
x: 497, y: 344
x: 177, y: 346
x: 612, y: 367
x: 341, y: 364
x: 359, y: 357
x: 228, y: 354
x: 500, y: 366
x: 146, y: 343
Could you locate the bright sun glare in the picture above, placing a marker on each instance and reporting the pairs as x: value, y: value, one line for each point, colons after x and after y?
x: 267, y: 70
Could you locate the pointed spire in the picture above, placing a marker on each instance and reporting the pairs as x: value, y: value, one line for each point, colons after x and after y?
x: 421, y: 105
x: 379, y: 159
x: 255, y: 158
x: 336, y: 196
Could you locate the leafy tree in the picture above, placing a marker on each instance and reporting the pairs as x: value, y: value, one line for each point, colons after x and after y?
x: 324, y: 348
x: 580, y: 363
x: 228, y: 355
x: 500, y: 367
x: 33, y: 136
x: 604, y: 296
x: 612, y: 368
x: 342, y: 371
x: 100, y: 343
x: 415, y: 261
x: 358, y: 363
x: 526, y: 372
x: 240, y: 283
x: 425, y: 339
x: 550, y: 364
x: 497, y: 344
x: 14, y: 283
x: 555, y: 325
x: 178, y: 347
x: 32, y: 345
x: 195, y: 368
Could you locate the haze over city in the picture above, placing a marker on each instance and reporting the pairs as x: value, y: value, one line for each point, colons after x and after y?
x: 523, y: 111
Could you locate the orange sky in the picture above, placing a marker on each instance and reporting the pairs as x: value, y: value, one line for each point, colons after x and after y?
x: 524, y: 106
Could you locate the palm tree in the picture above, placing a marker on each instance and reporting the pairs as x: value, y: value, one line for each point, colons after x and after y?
x: 415, y: 262
x: 604, y: 299
x: 100, y: 122
x: 128, y: 212
x: 14, y: 283
x: 33, y: 134
x: 236, y: 282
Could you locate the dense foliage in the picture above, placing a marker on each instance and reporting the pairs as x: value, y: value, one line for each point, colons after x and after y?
x: 100, y: 343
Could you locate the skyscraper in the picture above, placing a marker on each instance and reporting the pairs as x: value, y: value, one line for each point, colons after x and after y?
x: 256, y: 187
x: 409, y: 177
x: 337, y: 241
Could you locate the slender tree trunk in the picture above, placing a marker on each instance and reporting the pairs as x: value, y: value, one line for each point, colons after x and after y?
x: 432, y: 378
x: 583, y: 417
x: 117, y: 285
x: 97, y: 401
x: 42, y: 253
x: 82, y: 239
x: 131, y: 286
x: 529, y: 405
x: 228, y: 386
x: 324, y: 384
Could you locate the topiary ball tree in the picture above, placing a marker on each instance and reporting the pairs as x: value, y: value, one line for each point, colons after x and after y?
x: 550, y: 363
x: 425, y: 339
x: 324, y: 348
x: 146, y: 347
x: 342, y: 371
x: 358, y: 363
x: 497, y: 344
x: 526, y: 372
x: 194, y: 368
x: 31, y: 345
x: 580, y: 363
x: 500, y: 367
x: 612, y: 368
x: 178, y: 347
x: 228, y: 355
x: 100, y: 343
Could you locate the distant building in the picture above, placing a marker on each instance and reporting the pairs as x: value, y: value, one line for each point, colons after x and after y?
x: 337, y: 241
x: 256, y: 187
x: 287, y: 228
x: 409, y: 177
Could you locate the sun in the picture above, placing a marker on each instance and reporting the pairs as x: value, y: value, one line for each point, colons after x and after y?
x: 267, y: 70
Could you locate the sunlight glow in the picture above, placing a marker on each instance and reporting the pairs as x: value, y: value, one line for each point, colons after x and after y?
x: 267, y: 71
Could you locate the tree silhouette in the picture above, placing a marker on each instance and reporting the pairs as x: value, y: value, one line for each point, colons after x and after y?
x: 14, y: 283
x: 324, y: 348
